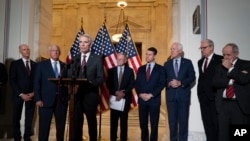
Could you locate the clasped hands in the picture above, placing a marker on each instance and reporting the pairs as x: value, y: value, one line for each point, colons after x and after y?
x: 119, y: 95
x: 145, y: 96
x: 174, y: 83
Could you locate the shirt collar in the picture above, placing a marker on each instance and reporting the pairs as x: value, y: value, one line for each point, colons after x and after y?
x: 86, y: 54
x: 24, y: 59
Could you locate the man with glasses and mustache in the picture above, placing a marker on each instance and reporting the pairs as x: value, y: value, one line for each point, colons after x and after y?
x: 206, y: 93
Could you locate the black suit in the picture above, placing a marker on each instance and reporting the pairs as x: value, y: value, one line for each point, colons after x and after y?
x: 3, y: 78
x: 22, y: 83
x: 127, y: 84
x: 206, y: 94
x: 154, y: 85
x: 54, y: 98
x: 87, y: 96
x: 235, y: 111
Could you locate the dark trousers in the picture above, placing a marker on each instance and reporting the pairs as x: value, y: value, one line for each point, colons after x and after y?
x: 147, y: 109
x: 17, y: 113
x: 45, y: 116
x: 114, y: 117
x: 230, y: 114
x: 209, y: 118
x: 85, y: 104
x: 178, y: 112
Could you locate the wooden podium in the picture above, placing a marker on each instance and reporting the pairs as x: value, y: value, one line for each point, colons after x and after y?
x: 72, y: 84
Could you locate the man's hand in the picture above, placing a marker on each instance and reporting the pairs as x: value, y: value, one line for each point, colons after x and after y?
x: 39, y: 103
x: 145, y: 96
x: 25, y: 97
x: 119, y: 95
x: 174, y: 83
x: 227, y: 63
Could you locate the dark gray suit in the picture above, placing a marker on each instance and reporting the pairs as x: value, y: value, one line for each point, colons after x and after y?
x: 87, y: 96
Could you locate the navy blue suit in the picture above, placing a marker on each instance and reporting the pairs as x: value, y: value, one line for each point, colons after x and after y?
x: 127, y: 85
x: 54, y: 98
x: 154, y: 85
x: 178, y: 99
x: 22, y: 83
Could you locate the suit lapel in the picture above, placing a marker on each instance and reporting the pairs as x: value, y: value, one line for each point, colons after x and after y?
x: 182, y: 67
x: 51, y: 70
x: 22, y: 65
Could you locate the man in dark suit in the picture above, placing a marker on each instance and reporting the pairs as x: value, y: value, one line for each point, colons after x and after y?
x: 180, y: 75
x: 90, y: 66
x: 232, y: 80
x: 21, y: 81
x: 206, y: 92
x: 50, y: 97
x: 120, y: 83
x: 149, y: 83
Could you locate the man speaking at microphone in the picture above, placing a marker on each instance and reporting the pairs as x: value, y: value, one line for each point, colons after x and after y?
x: 89, y: 66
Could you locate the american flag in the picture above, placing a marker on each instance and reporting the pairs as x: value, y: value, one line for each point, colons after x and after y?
x: 74, y: 50
x: 103, y: 46
x: 126, y: 45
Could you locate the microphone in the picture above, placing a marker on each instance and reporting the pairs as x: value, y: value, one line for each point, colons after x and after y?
x: 75, y: 68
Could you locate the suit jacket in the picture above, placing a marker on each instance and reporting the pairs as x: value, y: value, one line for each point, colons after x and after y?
x: 127, y: 82
x: 3, y: 75
x: 154, y: 85
x: 241, y: 84
x: 205, y: 79
x: 3, y: 78
x: 186, y: 75
x: 46, y: 90
x: 20, y: 81
x: 93, y: 71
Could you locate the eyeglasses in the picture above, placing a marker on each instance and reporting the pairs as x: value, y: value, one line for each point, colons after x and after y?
x: 202, y: 48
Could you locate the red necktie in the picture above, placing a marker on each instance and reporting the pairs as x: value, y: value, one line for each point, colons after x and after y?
x: 230, y: 91
x: 205, y: 65
x: 148, y: 72
x: 28, y: 67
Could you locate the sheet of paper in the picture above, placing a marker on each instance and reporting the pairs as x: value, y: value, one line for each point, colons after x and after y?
x: 116, y: 105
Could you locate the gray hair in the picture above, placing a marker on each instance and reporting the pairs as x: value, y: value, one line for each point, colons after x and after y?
x: 235, y: 48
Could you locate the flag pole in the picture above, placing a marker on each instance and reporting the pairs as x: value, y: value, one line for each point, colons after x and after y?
x: 100, y: 108
x: 128, y: 38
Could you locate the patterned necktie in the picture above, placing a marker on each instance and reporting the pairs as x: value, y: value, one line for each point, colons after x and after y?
x: 83, y: 63
x: 55, y: 69
x: 28, y: 67
x: 230, y: 91
x: 205, y: 64
x: 148, y: 72
x: 120, y: 77
x: 176, y: 68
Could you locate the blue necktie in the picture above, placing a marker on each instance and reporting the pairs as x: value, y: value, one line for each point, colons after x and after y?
x: 55, y: 69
